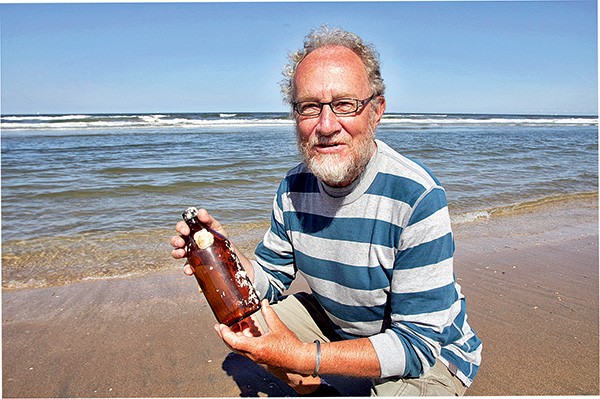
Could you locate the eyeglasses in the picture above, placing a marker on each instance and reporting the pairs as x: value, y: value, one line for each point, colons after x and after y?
x: 341, y: 106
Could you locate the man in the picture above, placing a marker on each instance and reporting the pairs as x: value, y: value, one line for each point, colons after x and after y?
x: 370, y: 232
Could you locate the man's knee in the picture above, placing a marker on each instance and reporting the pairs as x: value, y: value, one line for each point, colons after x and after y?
x: 438, y: 381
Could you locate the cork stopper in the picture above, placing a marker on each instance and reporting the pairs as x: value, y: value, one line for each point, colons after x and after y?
x: 190, y: 213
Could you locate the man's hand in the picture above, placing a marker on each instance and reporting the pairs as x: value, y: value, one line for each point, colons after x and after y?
x: 278, y: 350
x: 285, y: 355
x: 278, y: 347
x: 178, y: 241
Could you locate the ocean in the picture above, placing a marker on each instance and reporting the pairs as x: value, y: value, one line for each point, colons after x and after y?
x: 97, y: 196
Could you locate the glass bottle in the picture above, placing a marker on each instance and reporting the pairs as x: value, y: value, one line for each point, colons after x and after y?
x: 219, y: 272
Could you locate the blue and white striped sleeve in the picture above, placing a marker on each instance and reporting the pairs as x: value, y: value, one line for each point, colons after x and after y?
x: 274, y: 268
x: 424, y: 298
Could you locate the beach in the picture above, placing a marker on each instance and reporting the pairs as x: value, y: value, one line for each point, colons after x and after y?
x: 530, y: 277
x: 94, y: 306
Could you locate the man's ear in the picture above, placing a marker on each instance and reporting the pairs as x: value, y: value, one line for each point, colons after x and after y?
x: 379, y: 108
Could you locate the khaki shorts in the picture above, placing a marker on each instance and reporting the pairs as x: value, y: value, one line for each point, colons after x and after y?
x: 305, y: 317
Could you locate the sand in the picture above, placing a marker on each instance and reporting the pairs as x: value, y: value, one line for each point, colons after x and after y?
x: 531, y: 282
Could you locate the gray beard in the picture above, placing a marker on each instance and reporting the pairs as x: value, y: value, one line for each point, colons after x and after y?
x: 336, y: 171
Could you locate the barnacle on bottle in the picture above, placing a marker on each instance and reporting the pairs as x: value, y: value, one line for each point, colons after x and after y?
x: 204, y: 239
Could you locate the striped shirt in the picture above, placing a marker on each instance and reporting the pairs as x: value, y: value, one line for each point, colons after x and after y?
x: 378, y: 256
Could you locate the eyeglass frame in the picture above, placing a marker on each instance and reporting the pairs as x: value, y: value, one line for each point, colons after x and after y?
x: 359, y: 104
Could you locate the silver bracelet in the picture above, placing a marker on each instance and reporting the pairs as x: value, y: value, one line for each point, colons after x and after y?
x: 318, y: 359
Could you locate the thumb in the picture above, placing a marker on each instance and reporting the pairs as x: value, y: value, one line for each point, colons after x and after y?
x: 273, y: 321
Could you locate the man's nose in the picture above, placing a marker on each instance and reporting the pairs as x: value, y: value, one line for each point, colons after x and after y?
x: 328, y: 121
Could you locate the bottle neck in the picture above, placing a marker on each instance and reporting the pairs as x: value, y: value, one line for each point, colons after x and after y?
x: 195, y: 224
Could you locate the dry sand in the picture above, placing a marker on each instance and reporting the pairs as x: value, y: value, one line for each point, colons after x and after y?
x: 531, y: 282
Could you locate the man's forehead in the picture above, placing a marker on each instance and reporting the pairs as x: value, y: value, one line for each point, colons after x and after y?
x: 330, y: 72
x: 331, y: 55
x: 330, y: 90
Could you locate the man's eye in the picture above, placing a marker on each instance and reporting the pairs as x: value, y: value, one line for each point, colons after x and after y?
x: 309, y: 107
x: 344, y: 105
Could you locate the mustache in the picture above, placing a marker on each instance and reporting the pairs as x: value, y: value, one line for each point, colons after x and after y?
x: 324, y: 140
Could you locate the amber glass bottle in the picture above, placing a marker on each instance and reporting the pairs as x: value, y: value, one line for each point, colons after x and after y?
x: 221, y: 277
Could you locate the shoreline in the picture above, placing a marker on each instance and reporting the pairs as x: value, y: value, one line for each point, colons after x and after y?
x: 531, y: 282
x: 57, y: 261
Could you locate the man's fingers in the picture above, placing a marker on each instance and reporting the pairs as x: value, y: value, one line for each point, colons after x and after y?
x: 188, y: 269
x: 217, y: 328
x: 210, y: 221
x: 178, y: 253
x: 182, y: 228
x: 233, y: 340
x: 177, y: 242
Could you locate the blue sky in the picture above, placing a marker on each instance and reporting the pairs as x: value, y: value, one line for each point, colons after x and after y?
x: 450, y: 57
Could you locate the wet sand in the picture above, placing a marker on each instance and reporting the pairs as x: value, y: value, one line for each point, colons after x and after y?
x: 531, y: 282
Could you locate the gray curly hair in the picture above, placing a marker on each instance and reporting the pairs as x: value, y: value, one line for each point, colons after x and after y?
x: 323, y: 37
